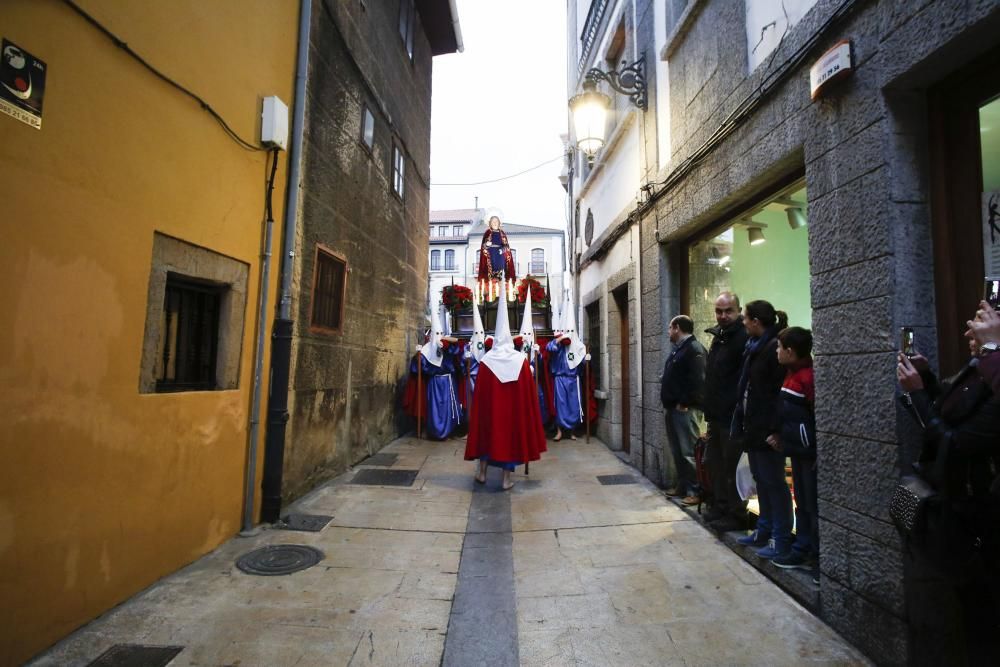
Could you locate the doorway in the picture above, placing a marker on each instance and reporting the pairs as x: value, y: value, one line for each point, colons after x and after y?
x: 621, y: 301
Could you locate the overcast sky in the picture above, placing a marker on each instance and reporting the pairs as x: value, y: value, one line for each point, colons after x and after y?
x: 499, y: 108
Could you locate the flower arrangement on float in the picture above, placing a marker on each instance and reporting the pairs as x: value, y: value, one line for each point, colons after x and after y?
x: 456, y: 297
x: 539, y: 297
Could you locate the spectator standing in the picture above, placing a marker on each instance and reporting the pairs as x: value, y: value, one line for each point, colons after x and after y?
x: 681, y: 392
x: 722, y: 376
x: 794, y: 435
x: 760, y: 382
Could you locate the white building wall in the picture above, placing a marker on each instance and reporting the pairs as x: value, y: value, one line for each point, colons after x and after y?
x: 612, y: 191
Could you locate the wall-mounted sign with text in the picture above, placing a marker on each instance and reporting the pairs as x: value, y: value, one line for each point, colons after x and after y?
x: 22, y: 84
x: 832, y: 66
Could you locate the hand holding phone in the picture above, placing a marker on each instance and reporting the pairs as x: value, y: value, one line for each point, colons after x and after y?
x: 991, y: 292
x: 906, y: 345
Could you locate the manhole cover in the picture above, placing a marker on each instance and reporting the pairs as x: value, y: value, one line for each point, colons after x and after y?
x: 380, y: 460
x: 312, y: 523
x: 377, y: 477
x: 279, y: 559
x: 136, y: 655
x: 610, y: 480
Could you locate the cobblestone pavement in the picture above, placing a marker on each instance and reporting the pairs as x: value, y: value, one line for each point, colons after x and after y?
x: 560, y: 571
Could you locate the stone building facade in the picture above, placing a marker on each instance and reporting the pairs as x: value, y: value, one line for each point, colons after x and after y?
x: 363, y: 228
x: 893, y: 236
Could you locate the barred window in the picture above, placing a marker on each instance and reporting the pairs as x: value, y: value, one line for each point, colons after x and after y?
x: 191, y: 311
x: 329, y: 288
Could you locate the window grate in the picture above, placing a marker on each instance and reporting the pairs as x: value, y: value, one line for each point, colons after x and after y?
x: 329, y: 286
x: 191, y: 312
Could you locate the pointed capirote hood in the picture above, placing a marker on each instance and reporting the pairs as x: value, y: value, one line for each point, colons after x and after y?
x: 478, y: 339
x: 504, y: 360
x: 527, y: 331
x: 432, y: 348
x: 576, y: 350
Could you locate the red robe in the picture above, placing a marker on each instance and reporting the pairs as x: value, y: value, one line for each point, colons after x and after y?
x: 506, y: 424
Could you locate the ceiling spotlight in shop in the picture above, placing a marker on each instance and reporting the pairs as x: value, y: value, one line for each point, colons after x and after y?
x: 756, y: 235
x: 796, y: 218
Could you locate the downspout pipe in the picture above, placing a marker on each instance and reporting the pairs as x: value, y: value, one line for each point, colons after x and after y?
x: 281, y: 337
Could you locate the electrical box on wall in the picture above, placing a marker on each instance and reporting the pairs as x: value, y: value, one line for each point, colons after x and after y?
x: 274, y: 123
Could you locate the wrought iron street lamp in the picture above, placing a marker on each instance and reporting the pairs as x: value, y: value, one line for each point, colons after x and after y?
x: 590, y: 108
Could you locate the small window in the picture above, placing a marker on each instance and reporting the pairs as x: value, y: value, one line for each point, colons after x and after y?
x: 329, y: 288
x: 407, y: 15
x: 435, y: 260
x: 191, y: 311
x: 398, y: 168
x: 368, y: 128
x: 537, y: 266
x: 449, y: 260
x: 456, y: 230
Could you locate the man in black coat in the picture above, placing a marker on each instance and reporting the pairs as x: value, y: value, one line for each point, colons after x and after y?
x: 722, y: 375
x: 681, y: 392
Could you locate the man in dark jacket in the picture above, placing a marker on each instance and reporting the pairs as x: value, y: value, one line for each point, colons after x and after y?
x: 681, y: 392
x: 722, y: 375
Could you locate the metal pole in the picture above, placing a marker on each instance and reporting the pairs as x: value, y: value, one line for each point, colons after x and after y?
x: 586, y: 398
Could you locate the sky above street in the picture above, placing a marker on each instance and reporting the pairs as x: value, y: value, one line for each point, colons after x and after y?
x: 499, y: 108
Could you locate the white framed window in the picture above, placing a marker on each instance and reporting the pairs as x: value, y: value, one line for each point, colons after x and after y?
x: 456, y: 230
x: 435, y: 260
x: 537, y: 266
x: 398, y: 169
x: 449, y: 260
x: 367, y: 128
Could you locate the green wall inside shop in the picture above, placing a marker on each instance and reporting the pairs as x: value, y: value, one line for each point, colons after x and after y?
x: 776, y: 270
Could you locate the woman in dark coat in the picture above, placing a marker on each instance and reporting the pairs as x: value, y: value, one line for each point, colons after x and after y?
x: 758, y: 396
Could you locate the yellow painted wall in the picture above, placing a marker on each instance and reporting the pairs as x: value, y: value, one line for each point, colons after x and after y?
x: 104, y: 490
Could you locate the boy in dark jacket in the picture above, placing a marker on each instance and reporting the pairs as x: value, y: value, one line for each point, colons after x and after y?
x: 795, y: 436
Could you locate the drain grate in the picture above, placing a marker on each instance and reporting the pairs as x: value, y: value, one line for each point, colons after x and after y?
x: 385, y: 477
x: 312, y: 523
x: 136, y: 655
x: 279, y: 559
x: 380, y: 460
x: 614, y: 480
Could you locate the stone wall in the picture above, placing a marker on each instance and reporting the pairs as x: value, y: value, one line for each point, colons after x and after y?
x: 347, y: 386
x: 862, y: 150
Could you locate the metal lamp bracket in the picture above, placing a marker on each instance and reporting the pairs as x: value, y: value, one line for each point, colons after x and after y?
x: 627, y: 80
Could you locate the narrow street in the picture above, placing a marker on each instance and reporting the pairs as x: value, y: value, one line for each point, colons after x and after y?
x: 563, y: 570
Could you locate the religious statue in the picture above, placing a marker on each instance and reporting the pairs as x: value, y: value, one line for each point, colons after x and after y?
x: 495, y: 259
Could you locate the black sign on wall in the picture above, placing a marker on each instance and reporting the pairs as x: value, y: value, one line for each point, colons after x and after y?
x: 22, y: 84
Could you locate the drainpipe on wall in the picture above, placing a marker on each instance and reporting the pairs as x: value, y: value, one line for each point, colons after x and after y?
x: 281, y: 344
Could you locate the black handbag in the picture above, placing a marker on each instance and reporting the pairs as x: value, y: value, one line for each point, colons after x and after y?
x: 909, y: 502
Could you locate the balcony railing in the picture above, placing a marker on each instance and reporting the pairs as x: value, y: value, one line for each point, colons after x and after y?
x: 589, y: 35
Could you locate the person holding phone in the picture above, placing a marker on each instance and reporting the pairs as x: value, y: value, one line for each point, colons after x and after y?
x: 960, y: 420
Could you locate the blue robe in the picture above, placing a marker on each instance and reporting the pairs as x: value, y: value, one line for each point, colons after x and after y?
x: 566, y: 382
x: 443, y: 414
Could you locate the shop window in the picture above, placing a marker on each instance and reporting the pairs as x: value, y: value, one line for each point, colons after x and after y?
x: 368, y: 128
x: 195, y: 308
x: 763, y: 254
x: 449, y: 260
x: 435, y: 260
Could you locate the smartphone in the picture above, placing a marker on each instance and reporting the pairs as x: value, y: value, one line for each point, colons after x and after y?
x: 991, y: 292
x: 906, y: 341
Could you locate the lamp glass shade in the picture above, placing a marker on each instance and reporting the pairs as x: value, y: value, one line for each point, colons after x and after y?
x: 796, y: 218
x: 590, y: 117
x: 756, y: 235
